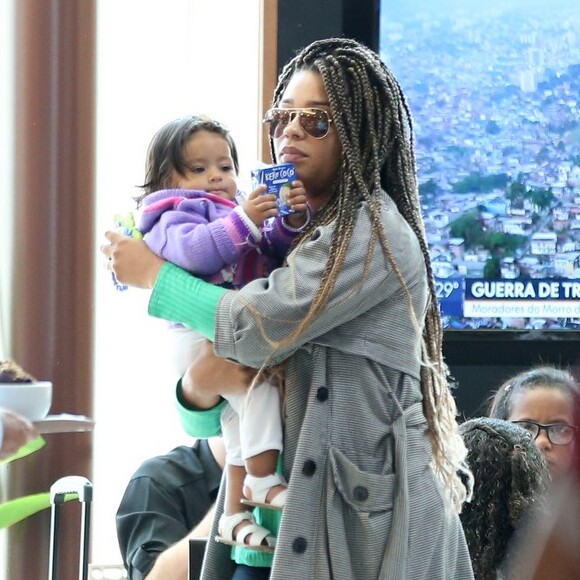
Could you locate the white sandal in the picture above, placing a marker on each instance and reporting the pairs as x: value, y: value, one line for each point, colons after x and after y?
x: 257, y: 534
x: 259, y: 488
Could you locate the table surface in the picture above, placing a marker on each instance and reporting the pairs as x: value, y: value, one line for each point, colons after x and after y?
x: 64, y: 423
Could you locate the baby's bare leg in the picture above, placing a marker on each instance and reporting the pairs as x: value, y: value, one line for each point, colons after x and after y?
x: 236, y: 516
x: 262, y: 465
x: 261, y: 444
x: 234, y: 484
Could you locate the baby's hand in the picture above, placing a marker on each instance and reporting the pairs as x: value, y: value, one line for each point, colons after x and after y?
x: 260, y: 207
x: 297, y: 201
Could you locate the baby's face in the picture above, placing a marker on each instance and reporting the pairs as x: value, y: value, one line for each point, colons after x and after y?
x: 209, y: 166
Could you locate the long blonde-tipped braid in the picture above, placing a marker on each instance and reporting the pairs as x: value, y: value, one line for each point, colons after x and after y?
x: 385, y: 130
x: 438, y: 403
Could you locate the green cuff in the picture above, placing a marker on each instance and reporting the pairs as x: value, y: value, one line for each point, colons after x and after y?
x: 180, y: 297
x: 199, y: 423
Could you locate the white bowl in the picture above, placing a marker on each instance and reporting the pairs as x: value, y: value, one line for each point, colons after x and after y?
x: 33, y: 400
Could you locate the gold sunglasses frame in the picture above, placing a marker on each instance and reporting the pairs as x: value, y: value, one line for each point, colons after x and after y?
x: 296, y: 112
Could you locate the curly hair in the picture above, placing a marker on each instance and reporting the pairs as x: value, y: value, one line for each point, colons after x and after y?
x: 511, y: 476
x: 501, y: 402
x: 165, y: 152
x: 375, y: 129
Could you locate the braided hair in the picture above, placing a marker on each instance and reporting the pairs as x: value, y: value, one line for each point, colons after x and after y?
x: 511, y: 477
x: 374, y: 125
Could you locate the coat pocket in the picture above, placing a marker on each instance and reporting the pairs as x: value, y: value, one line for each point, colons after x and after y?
x: 359, y: 518
x: 362, y: 491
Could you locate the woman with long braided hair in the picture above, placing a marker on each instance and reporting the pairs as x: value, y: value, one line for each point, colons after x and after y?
x: 371, y: 447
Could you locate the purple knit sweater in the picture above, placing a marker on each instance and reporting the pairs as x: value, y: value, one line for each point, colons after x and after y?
x: 213, y: 237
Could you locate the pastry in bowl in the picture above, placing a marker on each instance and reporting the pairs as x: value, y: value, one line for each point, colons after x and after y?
x: 22, y: 393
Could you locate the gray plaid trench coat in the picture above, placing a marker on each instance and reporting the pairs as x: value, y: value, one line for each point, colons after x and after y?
x: 363, y: 501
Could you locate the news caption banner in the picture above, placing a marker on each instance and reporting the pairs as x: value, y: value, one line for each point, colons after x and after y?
x: 529, y: 298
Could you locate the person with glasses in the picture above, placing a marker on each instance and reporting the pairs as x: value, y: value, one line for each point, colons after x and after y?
x: 511, y: 476
x: 190, y: 215
x: 541, y: 400
x: 371, y: 443
x: 551, y: 549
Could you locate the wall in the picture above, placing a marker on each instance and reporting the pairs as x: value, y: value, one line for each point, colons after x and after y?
x: 155, y: 61
x: 6, y: 167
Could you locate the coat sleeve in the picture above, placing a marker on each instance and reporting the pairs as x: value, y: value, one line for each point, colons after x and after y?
x: 201, y: 424
x: 250, y: 321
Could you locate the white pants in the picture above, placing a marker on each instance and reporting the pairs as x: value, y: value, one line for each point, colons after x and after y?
x: 252, y: 423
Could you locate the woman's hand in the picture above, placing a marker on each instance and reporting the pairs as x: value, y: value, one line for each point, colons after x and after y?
x: 209, y: 376
x: 131, y: 260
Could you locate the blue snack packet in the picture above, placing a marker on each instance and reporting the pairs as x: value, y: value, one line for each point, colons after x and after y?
x: 278, y: 179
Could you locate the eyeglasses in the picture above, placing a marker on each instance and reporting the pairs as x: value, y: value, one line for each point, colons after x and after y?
x: 316, y: 122
x: 558, y: 433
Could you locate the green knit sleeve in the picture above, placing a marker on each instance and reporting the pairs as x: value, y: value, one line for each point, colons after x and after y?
x: 199, y: 423
x: 181, y: 297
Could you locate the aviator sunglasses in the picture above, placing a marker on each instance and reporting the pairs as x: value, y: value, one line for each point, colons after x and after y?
x: 316, y: 122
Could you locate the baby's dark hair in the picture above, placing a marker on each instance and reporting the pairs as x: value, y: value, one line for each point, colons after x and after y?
x: 165, y: 152
x: 511, y: 476
x: 501, y: 403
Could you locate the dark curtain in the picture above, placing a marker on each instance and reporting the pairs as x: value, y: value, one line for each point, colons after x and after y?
x: 51, y: 311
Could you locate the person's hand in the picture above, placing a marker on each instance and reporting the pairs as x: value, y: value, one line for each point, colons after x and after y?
x: 133, y: 263
x: 296, y: 199
x: 259, y: 206
x: 210, y: 376
x: 18, y: 431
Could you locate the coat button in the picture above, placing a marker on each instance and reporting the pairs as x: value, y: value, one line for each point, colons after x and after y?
x: 360, y: 493
x: 322, y: 394
x: 299, y: 545
x: 309, y: 467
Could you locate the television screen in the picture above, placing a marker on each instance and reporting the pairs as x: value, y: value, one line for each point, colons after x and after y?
x: 494, y: 90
